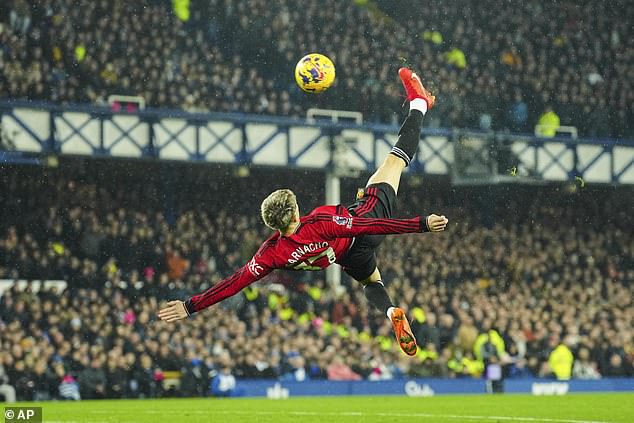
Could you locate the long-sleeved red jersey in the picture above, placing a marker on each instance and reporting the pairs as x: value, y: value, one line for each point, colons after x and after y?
x: 322, y: 238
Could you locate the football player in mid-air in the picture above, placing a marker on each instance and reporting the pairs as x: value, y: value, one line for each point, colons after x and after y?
x: 347, y: 236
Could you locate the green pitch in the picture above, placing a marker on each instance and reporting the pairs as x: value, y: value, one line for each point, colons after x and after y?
x: 580, y: 408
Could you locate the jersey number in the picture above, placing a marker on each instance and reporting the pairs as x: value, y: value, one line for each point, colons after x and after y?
x: 308, y: 263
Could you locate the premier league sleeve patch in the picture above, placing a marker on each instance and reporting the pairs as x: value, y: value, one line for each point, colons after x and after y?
x: 343, y: 221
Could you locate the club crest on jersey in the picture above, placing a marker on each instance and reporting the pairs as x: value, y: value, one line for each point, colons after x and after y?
x: 343, y: 221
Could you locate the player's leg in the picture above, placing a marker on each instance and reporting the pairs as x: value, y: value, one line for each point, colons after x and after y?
x: 360, y: 263
x: 420, y: 100
x: 377, y: 295
x: 378, y: 200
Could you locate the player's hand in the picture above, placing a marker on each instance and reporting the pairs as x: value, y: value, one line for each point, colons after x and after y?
x: 174, y: 311
x: 436, y: 223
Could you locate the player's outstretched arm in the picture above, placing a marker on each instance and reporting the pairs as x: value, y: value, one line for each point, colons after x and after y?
x: 342, y: 226
x: 177, y: 310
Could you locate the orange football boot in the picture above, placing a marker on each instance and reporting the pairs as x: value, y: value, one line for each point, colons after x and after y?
x: 414, y: 87
x: 403, y: 332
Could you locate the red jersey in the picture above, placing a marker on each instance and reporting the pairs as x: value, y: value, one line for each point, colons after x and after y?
x: 322, y: 238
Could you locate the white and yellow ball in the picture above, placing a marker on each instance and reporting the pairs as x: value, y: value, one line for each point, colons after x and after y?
x: 314, y: 73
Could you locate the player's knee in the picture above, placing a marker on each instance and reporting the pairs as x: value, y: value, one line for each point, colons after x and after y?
x: 393, y: 163
x: 389, y: 172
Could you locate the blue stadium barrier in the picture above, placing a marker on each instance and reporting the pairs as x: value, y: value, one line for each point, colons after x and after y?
x: 36, y: 129
x: 426, y: 387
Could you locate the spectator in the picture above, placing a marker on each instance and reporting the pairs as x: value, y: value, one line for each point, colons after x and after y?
x: 560, y: 361
x: 176, y: 265
x: 583, y: 367
x: 427, y: 332
x: 494, y: 375
x: 224, y: 384
x: 467, y: 334
x: 6, y: 390
x: 195, y: 379
x: 116, y: 377
x: 339, y: 370
x: 616, y: 367
x: 297, y: 368
x: 69, y: 389
x: 20, y: 17
x: 547, y: 124
x: 145, y: 382
x: 428, y: 368
x: 518, y: 113
x: 456, y: 58
x: 92, y: 380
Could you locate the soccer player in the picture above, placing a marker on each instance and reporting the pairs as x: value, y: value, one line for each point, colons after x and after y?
x: 347, y: 236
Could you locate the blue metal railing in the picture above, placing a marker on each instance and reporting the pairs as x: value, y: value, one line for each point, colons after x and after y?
x: 43, y: 128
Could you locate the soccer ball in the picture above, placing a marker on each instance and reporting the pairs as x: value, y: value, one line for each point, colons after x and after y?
x: 314, y: 73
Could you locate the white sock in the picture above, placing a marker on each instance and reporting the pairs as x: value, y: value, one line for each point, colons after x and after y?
x: 418, y: 104
x: 389, y: 312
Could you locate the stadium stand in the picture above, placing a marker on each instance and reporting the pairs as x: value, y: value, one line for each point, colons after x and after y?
x: 534, y: 278
x: 495, y: 65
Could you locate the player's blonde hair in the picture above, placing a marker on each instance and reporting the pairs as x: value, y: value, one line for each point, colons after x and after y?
x: 278, y: 209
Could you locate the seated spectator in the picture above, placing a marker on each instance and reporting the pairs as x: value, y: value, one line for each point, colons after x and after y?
x: 616, y: 367
x: 224, y: 384
x: 92, y: 380
x: 297, y: 368
x: 339, y: 370
x: 146, y: 380
x: 584, y: 368
x: 6, y: 390
x: 69, y: 389
x: 195, y: 380
x: 428, y: 368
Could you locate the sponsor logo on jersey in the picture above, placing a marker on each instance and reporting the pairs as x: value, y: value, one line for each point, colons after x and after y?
x: 343, y: 221
x: 255, y: 268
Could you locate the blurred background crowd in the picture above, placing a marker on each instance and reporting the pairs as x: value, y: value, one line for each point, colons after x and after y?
x: 535, y: 280
x: 494, y: 64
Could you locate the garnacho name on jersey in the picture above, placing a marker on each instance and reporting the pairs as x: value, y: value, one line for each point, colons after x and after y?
x: 305, y: 249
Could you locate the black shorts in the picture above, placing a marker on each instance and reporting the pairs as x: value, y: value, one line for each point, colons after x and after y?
x: 376, y: 200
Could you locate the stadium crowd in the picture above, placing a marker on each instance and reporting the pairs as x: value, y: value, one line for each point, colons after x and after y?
x: 546, y: 291
x: 494, y: 64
